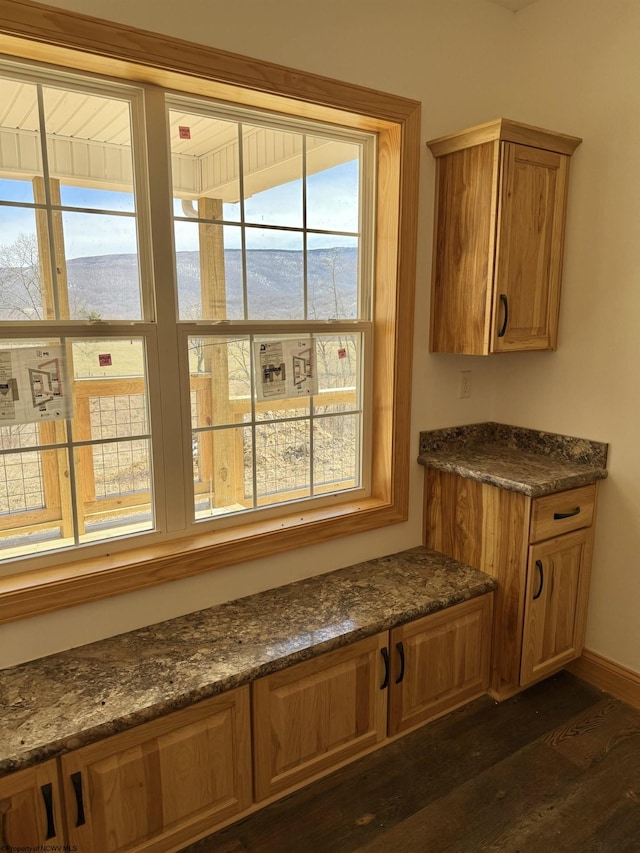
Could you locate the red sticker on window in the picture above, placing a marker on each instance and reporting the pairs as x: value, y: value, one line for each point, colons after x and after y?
x: 342, y: 353
x: 105, y: 359
x: 185, y: 132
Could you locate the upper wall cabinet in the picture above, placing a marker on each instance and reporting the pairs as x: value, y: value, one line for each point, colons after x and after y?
x: 500, y: 204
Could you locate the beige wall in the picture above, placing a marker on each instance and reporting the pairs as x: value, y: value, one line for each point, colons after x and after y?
x: 447, y: 55
x: 571, y: 65
x: 579, y: 71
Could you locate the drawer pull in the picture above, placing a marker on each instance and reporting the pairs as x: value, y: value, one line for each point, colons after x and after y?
x: 76, y: 781
x: 505, y: 305
x: 47, y: 796
x: 541, y: 570
x: 385, y: 657
x: 557, y: 516
x: 400, y: 648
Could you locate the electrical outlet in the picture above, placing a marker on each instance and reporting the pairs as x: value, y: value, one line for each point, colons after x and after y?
x: 464, y: 385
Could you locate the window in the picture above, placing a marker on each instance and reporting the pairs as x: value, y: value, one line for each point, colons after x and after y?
x: 272, y: 225
x: 75, y: 442
x: 205, y: 314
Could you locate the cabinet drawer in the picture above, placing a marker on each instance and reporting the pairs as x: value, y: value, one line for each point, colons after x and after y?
x: 560, y: 513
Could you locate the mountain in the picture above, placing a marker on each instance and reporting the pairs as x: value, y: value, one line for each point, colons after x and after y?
x: 108, y: 284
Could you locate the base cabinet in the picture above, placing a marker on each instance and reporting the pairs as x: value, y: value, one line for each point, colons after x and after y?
x: 556, y: 604
x: 31, y: 810
x: 316, y: 714
x: 444, y: 663
x: 313, y: 716
x: 163, y: 782
x: 539, y: 549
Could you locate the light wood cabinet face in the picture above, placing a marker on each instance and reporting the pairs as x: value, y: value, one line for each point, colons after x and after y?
x: 317, y: 713
x: 528, y: 263
x: 563, y: 512
x: 557, y: 582
x: 487, y: 528
x: 164, y: 781
x: 500, y: 207
x: 464, y: 239
x: 30, y: 809
x: 446, y: 663
x: 164, y: 784
x: 498, y: 531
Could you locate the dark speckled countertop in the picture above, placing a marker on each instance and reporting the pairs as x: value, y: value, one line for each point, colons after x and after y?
x: 76, y: 697
x: 514, y: 458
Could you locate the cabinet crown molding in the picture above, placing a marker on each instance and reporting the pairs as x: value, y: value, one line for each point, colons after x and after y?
x: 505, y: 130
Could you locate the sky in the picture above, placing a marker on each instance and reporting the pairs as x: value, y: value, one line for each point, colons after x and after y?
x: 331, y: 204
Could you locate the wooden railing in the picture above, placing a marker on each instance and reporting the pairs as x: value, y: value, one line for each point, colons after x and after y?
x: 56, y: 509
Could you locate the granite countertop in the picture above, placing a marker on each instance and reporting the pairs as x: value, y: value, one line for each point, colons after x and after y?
x: 77, y: 697
x: 514, y: 458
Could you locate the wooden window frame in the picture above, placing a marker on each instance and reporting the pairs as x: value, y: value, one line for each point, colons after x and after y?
x: 72, y: 41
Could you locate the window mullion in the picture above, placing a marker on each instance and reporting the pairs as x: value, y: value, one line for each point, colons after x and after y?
x: 167, y: 408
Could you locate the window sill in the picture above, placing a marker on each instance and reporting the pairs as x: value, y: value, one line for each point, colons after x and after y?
x: 44, y: 590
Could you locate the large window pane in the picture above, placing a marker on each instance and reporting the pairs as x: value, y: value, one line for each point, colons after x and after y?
x: 209, y: 271
x: 220, y: 371
x: 102, y: 266
x: 104, y: 358
x: 333, y: 176
x: 338, y: 364
x: 121, y: 468
x: 20, y: 151
x: 335, y: 453
x: 89, y: 148
x: 21, y: 482
x: 222, y: 471
x: 275, y: 275
x: 48, y: 498
x: 273, y: 171
x: 26, y: 289
x: 63, y: 265
x: 205, y: 164
x: 120, y: 480
x: 282, y: 461
x: 34, y: 513
x: 15, y: 190
x: 97, y: 199
x: 332, y: 277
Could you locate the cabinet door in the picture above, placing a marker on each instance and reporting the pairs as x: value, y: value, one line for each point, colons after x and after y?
x: 316, y: 714
x: 30, y: 809
x: 528, y: 270
x: 440, y: 662
x: 163, y: 782
x: 556, y: 604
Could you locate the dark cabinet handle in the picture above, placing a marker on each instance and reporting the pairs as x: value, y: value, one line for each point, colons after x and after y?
x: 541, y: 570
x: 558, y: 515
x: 47, y: 796
x: 505, y: 306
x: 385, y: 657
x: 76, y: 781
x: 400, y: 648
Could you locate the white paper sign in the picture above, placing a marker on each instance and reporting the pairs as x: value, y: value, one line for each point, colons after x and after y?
x: 34, y: 385
x: 285, y: 368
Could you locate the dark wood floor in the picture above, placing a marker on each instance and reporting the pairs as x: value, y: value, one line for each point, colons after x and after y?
x: 555, y: 769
